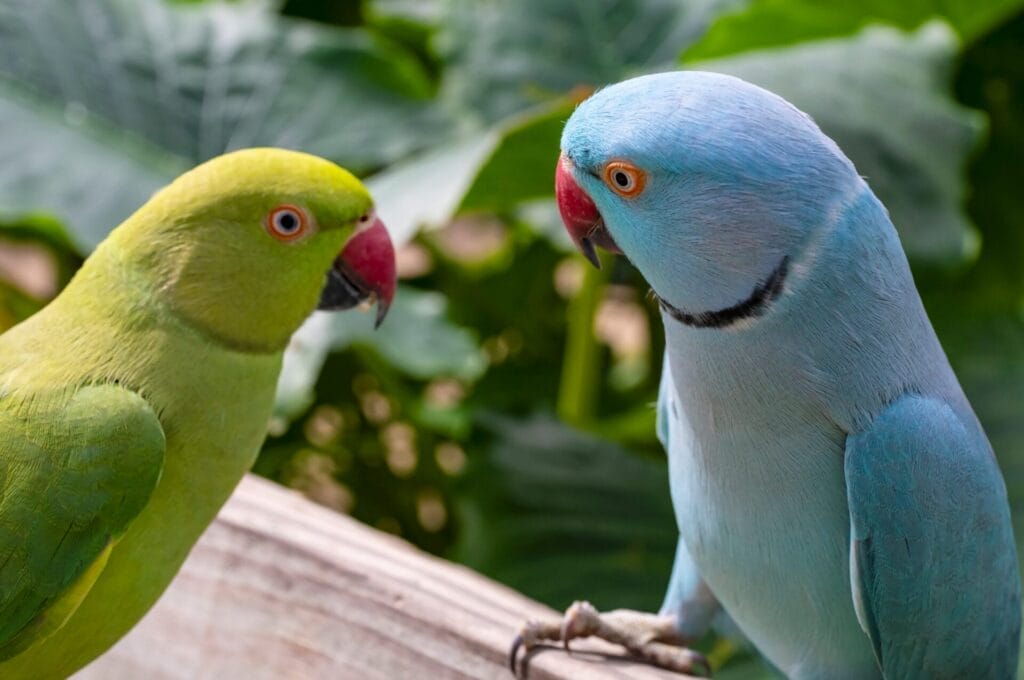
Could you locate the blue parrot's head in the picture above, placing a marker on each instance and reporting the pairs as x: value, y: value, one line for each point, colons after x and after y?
x: 710, y: 185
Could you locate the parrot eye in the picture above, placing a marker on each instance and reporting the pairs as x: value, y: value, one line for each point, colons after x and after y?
x: 625, y: 179
x: 287, y: 223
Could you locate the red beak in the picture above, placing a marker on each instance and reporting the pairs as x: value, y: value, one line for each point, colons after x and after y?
x: 364, y: 269
x: 582, y: 220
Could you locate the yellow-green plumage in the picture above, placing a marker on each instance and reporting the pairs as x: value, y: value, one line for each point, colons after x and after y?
x: 131, y: 406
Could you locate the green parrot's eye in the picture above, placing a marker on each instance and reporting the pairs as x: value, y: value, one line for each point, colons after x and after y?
x: 287, y: 222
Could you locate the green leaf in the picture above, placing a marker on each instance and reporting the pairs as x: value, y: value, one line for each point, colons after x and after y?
x: 37, y: 227
x: 987, y: 353
x: 491, y: 170
x: 988, y: 77
x: 89, y: 181
x: 506, y: 56
x: 425, y: 191
x: 521, y: 166
x: 45, y: 231
x: 549, y: 508
x: 416, y: 338
x: 427, y: 13
x: 883, y: 96
x: 774, y: 23
x: 104, y: 101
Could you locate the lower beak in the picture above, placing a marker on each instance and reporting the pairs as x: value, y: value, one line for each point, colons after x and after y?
x: 582, y: 220
x: 364, y: 270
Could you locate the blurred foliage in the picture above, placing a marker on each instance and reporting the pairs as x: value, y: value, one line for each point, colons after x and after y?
x: 776, y: 23
x: 883, y: 97
x: 502, y: 415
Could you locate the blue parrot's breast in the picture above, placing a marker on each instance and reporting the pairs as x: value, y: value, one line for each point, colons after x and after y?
x: 765, y: 517
x: 758, y: 418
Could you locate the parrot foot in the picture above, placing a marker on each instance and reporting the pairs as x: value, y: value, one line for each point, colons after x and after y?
x: 651, y: 638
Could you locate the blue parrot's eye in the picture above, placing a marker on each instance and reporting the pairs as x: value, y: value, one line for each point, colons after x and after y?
x: 625, y: 179
x: 286, y: 222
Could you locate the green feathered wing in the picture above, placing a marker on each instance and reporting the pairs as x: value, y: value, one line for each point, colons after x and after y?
x: 74, y: 472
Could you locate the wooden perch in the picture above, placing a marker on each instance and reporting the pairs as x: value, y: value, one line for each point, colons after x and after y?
x: 279, y: 587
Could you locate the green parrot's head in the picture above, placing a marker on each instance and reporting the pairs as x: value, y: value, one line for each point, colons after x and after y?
x: 246, y: 245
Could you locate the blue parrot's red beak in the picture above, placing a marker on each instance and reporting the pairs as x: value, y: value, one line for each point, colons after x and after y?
x: 364, y: 269
x: 581, y: 217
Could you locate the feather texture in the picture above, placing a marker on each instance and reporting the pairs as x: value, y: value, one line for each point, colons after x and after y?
x: 781, y: 426
x: 132, y: 404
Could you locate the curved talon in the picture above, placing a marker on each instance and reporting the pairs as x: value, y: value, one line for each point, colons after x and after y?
x: 518, y: 642
x: 649, y: 638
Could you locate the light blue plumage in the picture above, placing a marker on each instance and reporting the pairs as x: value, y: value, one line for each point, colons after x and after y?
x: 835, y: 494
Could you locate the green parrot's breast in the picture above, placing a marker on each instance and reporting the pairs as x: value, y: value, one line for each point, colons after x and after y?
x: 213, y: 403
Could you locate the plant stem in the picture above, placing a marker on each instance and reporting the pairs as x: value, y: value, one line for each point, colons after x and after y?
x: 581, y: 370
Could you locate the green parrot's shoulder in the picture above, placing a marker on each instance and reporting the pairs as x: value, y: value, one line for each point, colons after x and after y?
x: 75, y: 469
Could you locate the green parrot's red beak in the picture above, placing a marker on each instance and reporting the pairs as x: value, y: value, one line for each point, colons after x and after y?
x: 365, y: 269
x: 582, y: 220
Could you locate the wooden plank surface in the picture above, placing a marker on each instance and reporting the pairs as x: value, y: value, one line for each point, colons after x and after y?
x: 280, y: 588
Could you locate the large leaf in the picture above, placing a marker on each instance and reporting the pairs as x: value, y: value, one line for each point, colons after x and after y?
x: 774, y: 23
x: 427, y: 13
x: 988, y: 356
x: 103, y: 101
x: 989, y: 77
x: 492, y: 169
x: 427, y: 190
x: 89, y: 181
x: 417, y: 338
x: 979, y: 316
x: 549, y: 508
x: 505, y: 56
x: 883, y: 95
x: 521, y: 166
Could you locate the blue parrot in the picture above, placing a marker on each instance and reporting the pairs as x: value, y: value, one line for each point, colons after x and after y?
x: 836, y: 496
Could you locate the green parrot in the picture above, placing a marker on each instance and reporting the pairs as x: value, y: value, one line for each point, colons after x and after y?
x: 132, y: 404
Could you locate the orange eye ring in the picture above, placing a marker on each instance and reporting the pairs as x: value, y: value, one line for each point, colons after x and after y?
x: 625, y: 179
x: 287, y: 223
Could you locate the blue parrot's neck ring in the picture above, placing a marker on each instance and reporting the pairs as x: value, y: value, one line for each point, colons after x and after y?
x: 753, y: 306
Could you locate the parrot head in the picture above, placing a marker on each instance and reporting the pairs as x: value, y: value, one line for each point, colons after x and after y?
x: 711, y: 186
x: 246, y: 245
